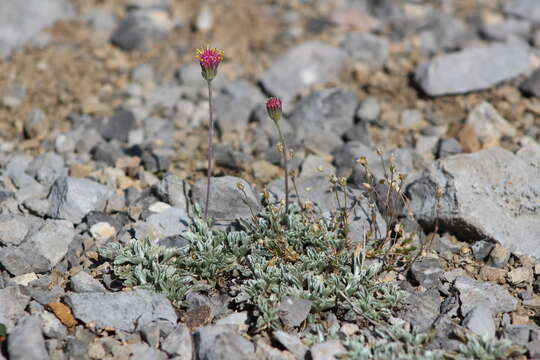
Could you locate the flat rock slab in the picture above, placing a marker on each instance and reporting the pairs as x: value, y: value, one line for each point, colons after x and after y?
x: 303, y: 66
x: 123, y: 310
x: 489, y: 195
x: 528, y: 9
x: 21, y: 22
x: 472, y: 69
x: 473, y: 293
x: 13, y: 304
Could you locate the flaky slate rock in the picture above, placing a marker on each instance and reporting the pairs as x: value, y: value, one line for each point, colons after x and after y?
x: 13, y: 301
x: 122, y: 310
x: 26, y: 341
x: 303, y: 66
x: 329, y: 110
x: 532, y: 85
x: 41, y: 251
x: 488, y: 195
x: 473, y: 293
x: 472, y: 69
x: 73, y: 198
x: 227, y: 202
x: 220, y: 342
x: 21, y: 22
x: 528, y: 9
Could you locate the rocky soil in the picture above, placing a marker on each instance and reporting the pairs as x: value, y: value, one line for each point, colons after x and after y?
x: 103, y: 125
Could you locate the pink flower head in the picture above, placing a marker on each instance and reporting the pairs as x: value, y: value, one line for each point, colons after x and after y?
x: 210, y: 58
x: 273, y: 106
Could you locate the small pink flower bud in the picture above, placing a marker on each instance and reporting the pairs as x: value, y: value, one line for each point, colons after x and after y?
x: 273, y: 106
x: 209, y: 60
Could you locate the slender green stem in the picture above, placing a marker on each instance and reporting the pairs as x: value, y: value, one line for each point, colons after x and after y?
x: 285, y: 168
x: 210, y: 149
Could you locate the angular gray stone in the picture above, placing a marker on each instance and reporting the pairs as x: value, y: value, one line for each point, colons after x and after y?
x: 329, y: 110
x: 532, y: 85
x: 170, y: 222
x: 473, y: 293
x: 507, y: 30
x: 123, y: 310
x: 422, y: 309
x: 13, y: 302
x: 519, y: 334
x: 227, y: 202
x: 13, y: 229
x: 220, y: 342
x: 481, y: 249
x: 426, y: 272
x: 443, y: 32
x: 293, y: 312
x: 472, y: 69
x: 144, y: 352
x: 301, y: 67
x: 41, y: 251
x: 488, y: 195
x: 528, y: 9
x: 26, y: 342
x: 179, y: 343
x: 73, y: 198
x: 21, y: 22
x: 141, y: 30
x: 119, y: 125
x: 369, y: 110
x: 291, y: 343
x: 480, y: 321
x: 366, y: 47
x: 47, y: 168
x: 82, y: 282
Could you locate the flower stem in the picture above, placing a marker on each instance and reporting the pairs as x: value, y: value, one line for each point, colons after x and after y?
x: 210, y: 148
x: 285, y: 168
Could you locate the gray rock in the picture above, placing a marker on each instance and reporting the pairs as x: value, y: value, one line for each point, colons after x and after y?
x: 366, y: 47
x: 422, y: 309
x: 532, y: 85
x: 303, y: 66
x: 488, y: 125
x: 473, y: 293
x: 315, y: 166
x: 227, y: 202
x: 13, y: 302
x: 170, y: 222
x: 123, y: 311
x: 481, y: 249
x: 328, y: 350
x: 72, y: 198
x: 173, y: 190
x: 507, y: 29
x: 329, y: 110
x: 13, y: 229
x: 47, y: 168
x: 232, y: 113
x: 293, y: 312
x: 291, y: 343
x: 36, y: 123
x: 41, y: 251
x: 426, y: 272
x: 528, y: 9
x: 443, y: 32
x: 220, y: 342
x: 179, y: 343
x: 51, y: 326
x: 26, y: 342
x: 119, y: 125
x: 480, y: 321
x: 23, y: 22
x: 236, y: 318
x: 145, y: 352
x: 534, y: 349
x: 82, y: 282
x: 16, y: 170
x: 141, y: 30
x: 519, y: 334
x: 448, y: 147
x: 190, y: 77
x: 369, y: 110
x: 157, y: 160
x: 472, y: 69
x: 499, y: 256
x: 487, y: 197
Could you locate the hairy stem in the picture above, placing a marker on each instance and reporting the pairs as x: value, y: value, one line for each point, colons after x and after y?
x: 210, y: 149
x: 285, y: 168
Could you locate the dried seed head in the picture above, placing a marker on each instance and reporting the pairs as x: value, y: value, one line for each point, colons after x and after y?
x: 274, y: 108
x: 209, y: 59
x: 308, y: 204
x: 379, y: 151
x: 342, y: 182
x: 280, y: 148
x: 362, y: 161
x: 240, y: 186
x: 333, y: 179
x: 439, y: 193
x: 367, y: 186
